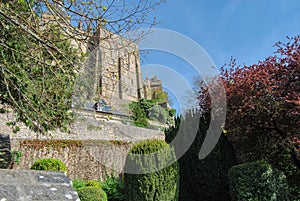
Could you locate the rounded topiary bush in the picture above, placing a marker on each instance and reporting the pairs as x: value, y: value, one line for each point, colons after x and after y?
x: 257, y: 181
x: 94, y: 183
x: 153, y: 179
x: 91, y: 193
x: 49, y: 164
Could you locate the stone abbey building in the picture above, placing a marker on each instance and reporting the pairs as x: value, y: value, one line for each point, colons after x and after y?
x: 112, y: 72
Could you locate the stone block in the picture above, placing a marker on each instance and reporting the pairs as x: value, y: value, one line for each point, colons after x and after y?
x: 5, y: 155
x: 27, y: 185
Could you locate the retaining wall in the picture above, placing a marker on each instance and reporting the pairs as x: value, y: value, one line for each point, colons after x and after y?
x: 84, y: 159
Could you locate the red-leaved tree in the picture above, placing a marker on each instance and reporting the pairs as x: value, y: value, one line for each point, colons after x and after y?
x: 263, y: 107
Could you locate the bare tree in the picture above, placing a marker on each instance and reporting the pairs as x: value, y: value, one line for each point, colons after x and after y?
x: 190, y: 100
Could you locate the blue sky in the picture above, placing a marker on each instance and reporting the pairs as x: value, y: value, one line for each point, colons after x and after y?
x: 245, y: 30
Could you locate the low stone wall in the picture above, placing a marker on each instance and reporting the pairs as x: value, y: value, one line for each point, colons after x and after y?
x: 87, y: 127
x: 5, y: 155
x: 86, y: 159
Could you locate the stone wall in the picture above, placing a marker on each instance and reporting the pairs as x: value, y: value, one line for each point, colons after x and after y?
x: 84, y: 159
x: 87, y: 127
x: 92, y: 147
x: 5, y: 155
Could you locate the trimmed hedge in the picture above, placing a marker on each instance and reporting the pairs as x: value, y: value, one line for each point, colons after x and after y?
x: 159, y: 185
x: 257, y: 181
x: 49, y: 164
x: 91, y: 193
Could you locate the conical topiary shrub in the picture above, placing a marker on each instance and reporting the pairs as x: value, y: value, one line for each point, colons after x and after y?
x: 150, y: 174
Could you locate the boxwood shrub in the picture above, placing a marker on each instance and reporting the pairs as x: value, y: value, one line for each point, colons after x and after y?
x: 91, y: 193
x: 49, y: 164
x: 257, y: 181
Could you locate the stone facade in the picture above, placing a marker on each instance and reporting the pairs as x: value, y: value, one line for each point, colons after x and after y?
x: 118, y: 72
x: 152, y: 87
x: 112, y: 72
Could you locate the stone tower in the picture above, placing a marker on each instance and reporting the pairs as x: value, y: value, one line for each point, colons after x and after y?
x: 112, y: 71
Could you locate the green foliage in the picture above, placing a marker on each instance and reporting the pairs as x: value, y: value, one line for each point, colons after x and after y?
x: 204, y: 179
x: 172, y: 112
x: 207, y: 178
x: 146, y: 104
x: 148, y: 147
x: 94, y: 183
x: 3, y: 110
x: 159, y: 185
x: 16, y: 155
x: 146, y: 109
x: 257, y: 181
x: 14, y: 126
x: 91, y: 193
x: 78, y: 183
x: 103, y: 8
x: 36, y: 74
x: 139, y: 114
x: 114, y: 188
x: 40, y: 144
x: 172, y: 131
x: 281, y: 158
x: 16, y: 129
x: 49, y: 164
x: 160, y: 97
